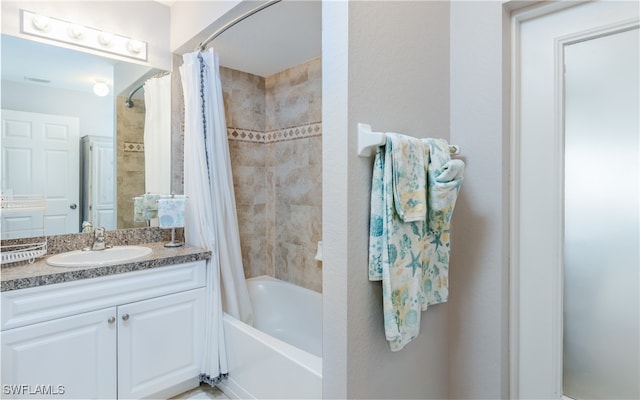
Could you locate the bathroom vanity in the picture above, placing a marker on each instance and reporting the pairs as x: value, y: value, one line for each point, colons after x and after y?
x: 123, y: 331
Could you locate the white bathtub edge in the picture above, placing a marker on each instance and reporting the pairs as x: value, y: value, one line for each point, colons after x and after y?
x: 232, y: 390
x: 261, y: 364
x: 306, y: 360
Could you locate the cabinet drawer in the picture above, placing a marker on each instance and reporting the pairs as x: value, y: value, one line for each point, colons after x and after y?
x: 27, y: 306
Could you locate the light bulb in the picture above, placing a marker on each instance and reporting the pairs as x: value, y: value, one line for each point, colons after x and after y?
x: 76, y: 31
x: 41, y: 23
x: 134, y: 46
x: 105, y: 39
x: 101, y: 89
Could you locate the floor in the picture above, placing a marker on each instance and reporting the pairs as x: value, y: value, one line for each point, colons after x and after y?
x: 203, y: 391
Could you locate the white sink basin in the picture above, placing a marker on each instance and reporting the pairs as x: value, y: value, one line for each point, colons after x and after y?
x: 114, y: 255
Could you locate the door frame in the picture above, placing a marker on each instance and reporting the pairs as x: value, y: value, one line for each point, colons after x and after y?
x: 555, y: 187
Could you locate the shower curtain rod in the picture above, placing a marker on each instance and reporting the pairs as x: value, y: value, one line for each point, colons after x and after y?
x: 220, y: 31
x: 129, y: 103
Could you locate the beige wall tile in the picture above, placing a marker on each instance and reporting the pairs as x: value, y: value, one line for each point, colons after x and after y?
x: 177, y: 128
x: 130, y: 170
x: 244, y: 100
x: 294, y: 96
x: 277, y: 176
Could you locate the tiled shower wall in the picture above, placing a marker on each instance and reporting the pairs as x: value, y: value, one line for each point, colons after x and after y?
x: 129, y: 158
x: 274, y: 131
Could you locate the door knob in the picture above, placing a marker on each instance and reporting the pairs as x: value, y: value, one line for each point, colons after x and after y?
x: 73, y: 206
x: 125, y: 317
x: 111, y: 320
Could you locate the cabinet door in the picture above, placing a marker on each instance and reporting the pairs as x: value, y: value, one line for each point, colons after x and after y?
x: 71, y: 357
x: 159, y: 343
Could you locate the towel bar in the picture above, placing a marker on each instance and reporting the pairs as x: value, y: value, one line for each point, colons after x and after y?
x: 369, y: 140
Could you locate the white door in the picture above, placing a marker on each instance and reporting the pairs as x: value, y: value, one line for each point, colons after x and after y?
x: 72, y: 357
x: 98, y: 200
x: 159, y: 343
x: 538, y: 184
x: 103, y: 199
x: 602, y: 227
x: 40, y: 156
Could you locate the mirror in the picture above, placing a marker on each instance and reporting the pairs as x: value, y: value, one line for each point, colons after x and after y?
x: 69, y: 152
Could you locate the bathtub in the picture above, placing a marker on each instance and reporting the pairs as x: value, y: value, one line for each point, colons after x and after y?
x: 280, y: 357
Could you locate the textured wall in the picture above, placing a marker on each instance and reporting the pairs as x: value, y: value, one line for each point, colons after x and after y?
x: 294, y: 172
x: 275, y: 144
x: 479, y: 345
x: 294, y: 224
x: 130, y: 159
x: 248, y: 166
x: 294, y: 96
x: 393, y: 73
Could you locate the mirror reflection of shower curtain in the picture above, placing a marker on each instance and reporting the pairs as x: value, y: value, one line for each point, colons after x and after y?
x: 602, y: 261
x: 157, y: 135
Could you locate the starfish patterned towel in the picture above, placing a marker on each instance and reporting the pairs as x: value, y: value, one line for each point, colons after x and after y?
x: 411, y: 258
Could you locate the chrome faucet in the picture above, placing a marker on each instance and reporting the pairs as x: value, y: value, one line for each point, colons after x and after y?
x: 98, y: 239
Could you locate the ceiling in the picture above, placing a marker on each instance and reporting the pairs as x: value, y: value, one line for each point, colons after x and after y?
x: 278, y: 37
x: 272, y: 40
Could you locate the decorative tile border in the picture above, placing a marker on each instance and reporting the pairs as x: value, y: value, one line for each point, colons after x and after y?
x: 133, y: 147
x: 280, y: 135
x: 296, y: 132
x: 245, y: 135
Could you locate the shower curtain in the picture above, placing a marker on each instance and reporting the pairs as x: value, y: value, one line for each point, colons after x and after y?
x: 210, y: 218
x: 157, y: 135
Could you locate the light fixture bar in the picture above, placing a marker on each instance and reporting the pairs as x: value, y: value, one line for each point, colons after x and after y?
x: 80, y: 35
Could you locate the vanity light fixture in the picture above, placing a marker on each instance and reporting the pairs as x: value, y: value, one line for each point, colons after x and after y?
x: 80, y: 35
x: 101, y: 89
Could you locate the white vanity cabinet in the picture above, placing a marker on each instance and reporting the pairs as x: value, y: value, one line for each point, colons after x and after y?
x: 159, y: 342
x: 128, y: 336
x: 74, y: 356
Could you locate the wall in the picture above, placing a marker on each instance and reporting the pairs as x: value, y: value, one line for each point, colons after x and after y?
x: 244, y: 103
x: 392, y: 72
x: 463, y: 348
x: 479, y: 277
x: 294, y: 173
x: 95, y: 113
x: 274, y: 133
x: 177, y: 126
x: 335, y: 180
x: 130, y: 160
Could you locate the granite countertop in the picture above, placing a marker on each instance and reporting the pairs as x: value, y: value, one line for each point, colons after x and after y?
x: 25, y: 275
